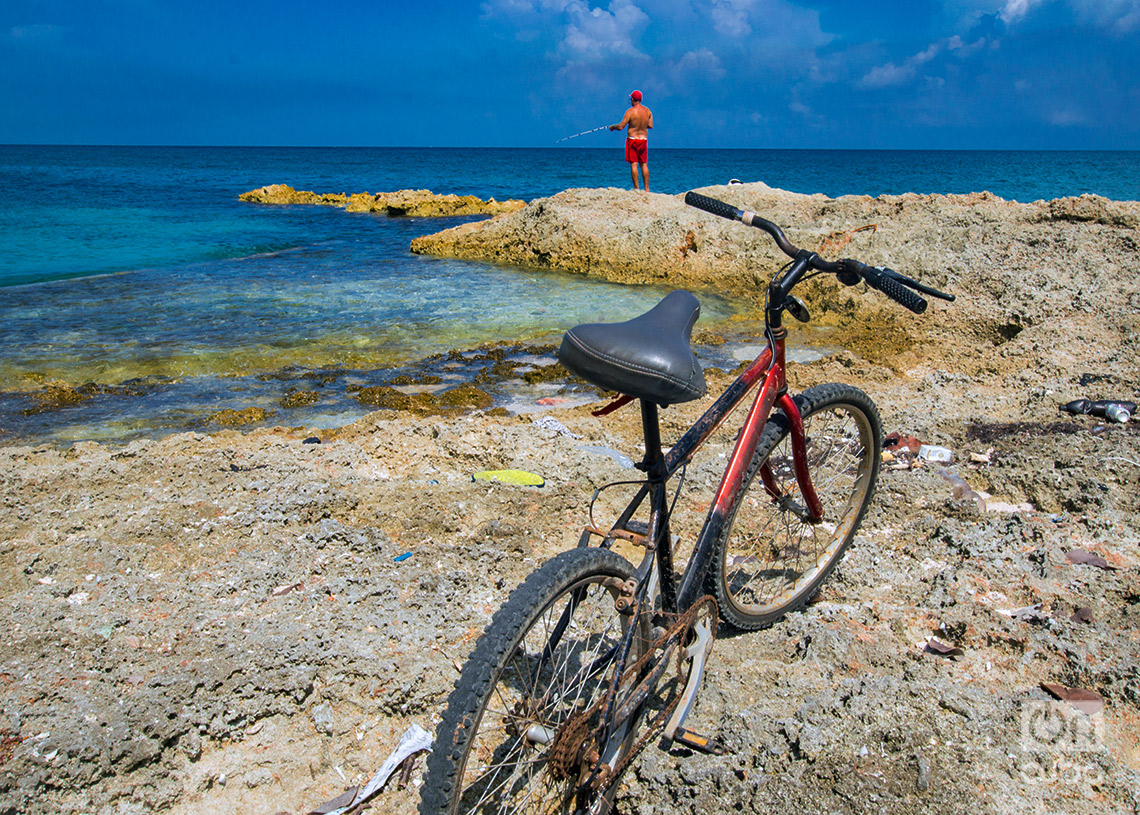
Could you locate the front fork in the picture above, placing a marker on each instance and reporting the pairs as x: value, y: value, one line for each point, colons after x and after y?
x: 812, y: 511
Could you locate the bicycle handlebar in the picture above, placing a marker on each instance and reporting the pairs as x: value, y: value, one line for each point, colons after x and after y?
x: 896, y: 286
x: 715, y: 207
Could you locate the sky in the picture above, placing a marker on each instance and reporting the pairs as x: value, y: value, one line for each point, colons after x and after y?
x: 899, y: 74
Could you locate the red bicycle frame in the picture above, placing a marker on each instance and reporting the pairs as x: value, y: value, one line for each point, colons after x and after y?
x: 769, y: 371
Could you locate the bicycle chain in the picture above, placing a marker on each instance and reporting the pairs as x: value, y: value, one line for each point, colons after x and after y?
x: 566, y: 751
x: 685, y: 620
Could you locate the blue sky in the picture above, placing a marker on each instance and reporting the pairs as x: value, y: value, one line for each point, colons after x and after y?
x: 717, y: 73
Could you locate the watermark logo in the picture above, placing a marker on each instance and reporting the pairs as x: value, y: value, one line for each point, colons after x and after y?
x: 1060, y: 745
x: 1059, y: 728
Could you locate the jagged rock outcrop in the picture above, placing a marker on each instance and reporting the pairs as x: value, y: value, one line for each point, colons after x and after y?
x: 412, y: 203
x: 627, y: 237
x: 1050, y: 269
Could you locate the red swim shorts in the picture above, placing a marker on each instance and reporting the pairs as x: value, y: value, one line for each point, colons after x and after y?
x: 637, y: 151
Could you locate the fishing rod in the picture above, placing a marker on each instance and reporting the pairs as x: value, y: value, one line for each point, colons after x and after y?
x: 583, y: 133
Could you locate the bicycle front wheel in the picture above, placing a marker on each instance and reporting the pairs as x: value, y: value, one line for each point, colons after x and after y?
x: 516, y: 736
x: 768, y: 560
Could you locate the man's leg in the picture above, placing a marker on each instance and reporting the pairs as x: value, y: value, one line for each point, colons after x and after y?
x: 645, y: 175
x: 633, y: 174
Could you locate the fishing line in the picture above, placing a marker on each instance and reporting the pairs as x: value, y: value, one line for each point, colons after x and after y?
x: 583, y: 133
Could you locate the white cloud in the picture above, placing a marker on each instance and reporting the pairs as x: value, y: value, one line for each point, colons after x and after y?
x: 962, y: 49
x: 882, y: 76
x: 1119, y: 16
x: 893, y: 73
x: 1014, y: 10
x: 702, y: 64
x: 925, y: 56
x: 593, y: 33
x: 730, y: 18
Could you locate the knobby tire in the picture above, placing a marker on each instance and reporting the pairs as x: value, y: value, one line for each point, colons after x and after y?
x: 532, y: 669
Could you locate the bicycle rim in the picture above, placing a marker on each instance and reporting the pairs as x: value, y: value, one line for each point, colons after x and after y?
x: 770, y: 561
x: 546, y: 658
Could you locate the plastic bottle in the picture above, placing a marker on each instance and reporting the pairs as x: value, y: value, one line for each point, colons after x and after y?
x: 1117, y: 413
x: 961, y: 491
x: 1101, y: 407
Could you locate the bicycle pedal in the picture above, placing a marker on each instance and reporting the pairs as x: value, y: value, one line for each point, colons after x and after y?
x: 696, y: 741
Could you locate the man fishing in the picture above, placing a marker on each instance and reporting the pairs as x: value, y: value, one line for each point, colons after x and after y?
x: 639, y: 119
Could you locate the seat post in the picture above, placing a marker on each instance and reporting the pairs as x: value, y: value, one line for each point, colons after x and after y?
x: 653, y: 463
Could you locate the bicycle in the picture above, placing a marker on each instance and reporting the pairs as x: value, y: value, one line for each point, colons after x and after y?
x: 568, y: 682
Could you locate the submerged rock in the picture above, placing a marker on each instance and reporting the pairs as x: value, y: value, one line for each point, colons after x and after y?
x: 58, y: 394
x: 457, y: 399
x: 295, y: 399
x: 382, y: 396
x: 412, y: 203
x: 237, y: 418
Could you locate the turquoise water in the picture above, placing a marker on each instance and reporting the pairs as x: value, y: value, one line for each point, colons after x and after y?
x: 139, y: 265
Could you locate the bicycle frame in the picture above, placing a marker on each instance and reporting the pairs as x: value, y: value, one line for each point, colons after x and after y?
x: 768, y: 371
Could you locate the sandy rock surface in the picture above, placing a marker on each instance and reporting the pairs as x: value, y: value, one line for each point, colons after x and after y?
x: 412, y: 203
x: 218, y: 623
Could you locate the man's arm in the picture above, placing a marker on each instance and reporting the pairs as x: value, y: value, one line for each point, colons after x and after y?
x: 624, y: 121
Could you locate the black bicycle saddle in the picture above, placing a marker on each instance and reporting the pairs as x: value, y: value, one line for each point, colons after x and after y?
x: 648, y: 357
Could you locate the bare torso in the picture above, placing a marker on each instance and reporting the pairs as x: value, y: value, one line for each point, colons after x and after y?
x: 639, y: 119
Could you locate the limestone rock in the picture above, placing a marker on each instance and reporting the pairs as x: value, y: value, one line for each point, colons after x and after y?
x: 284, y: 194
x: 1029, y: 270
x: 413, y: 203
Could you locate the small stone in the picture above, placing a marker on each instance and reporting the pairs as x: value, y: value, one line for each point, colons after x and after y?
x: 258, y: 778
x: 923, y: 782
x: 323, y: 718
x: 191, y: 745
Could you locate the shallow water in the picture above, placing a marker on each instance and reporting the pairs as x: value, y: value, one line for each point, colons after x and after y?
x: 139, y: 265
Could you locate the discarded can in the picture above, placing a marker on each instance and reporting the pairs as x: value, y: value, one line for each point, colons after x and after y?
x: 1117, y: 413
x: 931, y: 452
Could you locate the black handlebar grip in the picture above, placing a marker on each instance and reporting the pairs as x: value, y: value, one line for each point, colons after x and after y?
x: 713, y: 206
x: 899, y: 293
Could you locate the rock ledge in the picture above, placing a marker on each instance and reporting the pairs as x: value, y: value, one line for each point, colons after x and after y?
x: 414, y: 203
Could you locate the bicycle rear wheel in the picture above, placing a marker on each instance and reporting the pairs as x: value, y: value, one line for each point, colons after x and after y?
x: 768, y: 561
x: 545, y: 660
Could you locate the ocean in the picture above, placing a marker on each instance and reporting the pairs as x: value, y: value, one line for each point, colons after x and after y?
x: 136, y: 273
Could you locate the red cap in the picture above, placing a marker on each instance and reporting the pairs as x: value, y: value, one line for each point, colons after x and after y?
x: 636, y: 95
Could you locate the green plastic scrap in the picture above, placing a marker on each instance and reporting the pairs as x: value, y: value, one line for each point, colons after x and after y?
x: 521, y: 477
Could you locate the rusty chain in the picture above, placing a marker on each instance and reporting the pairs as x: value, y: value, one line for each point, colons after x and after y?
x: 568, y: 751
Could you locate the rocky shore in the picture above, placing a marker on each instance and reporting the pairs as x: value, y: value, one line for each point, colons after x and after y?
x: 409, y: 203
x: 232, y: 623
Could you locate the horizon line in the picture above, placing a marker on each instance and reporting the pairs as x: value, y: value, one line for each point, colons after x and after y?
x: 572, y: 147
